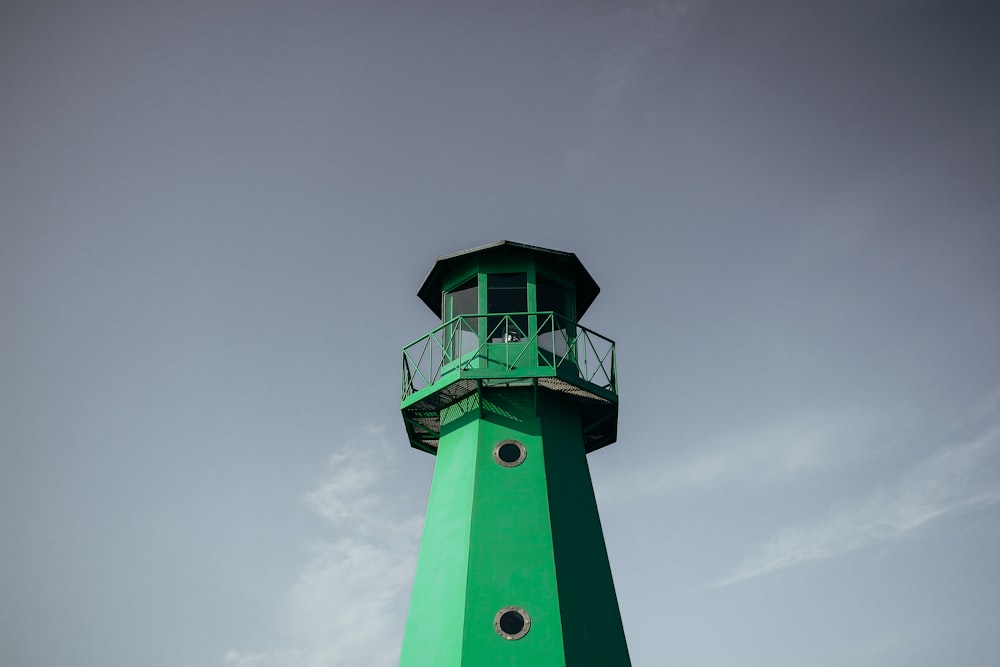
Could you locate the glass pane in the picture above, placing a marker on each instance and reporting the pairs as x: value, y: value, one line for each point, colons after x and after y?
x: 552, y: 298
x: 463, y: 335
x: 555, y: 298
x: 512, y: 623
x: 463, y: 300
x: 507, y: 293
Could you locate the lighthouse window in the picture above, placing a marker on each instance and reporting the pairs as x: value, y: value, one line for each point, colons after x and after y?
x: 552, y: 330
x: 507, y: 293
x: 462, y: 336
x: 463, y: 300
x: 551, y: 298
x: 509, y: 453
x: 512, y: 623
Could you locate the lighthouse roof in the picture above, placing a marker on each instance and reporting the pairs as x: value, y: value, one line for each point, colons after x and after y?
x: 565, y: 264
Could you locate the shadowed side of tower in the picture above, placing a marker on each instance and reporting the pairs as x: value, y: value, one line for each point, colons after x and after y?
x: 511, y: 393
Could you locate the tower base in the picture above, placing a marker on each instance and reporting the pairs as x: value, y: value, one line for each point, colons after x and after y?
x: 513, y: 569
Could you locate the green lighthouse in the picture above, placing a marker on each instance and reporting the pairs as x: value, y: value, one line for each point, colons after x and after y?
x: 510, y: 393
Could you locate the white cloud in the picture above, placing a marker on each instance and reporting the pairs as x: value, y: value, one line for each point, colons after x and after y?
x: 797, y: 445
x: 347, y: 608
x: 956, y: 479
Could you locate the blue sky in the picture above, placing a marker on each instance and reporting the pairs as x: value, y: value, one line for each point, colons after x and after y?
x: 214, y: 217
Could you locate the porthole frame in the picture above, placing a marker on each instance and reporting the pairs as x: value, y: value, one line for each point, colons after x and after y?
x: 524, y: 628
x: 510, y: 464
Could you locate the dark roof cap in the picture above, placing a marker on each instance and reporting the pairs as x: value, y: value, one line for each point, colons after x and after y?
x: 565, y: 263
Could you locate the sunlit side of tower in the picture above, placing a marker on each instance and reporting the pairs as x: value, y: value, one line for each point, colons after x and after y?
x: 510, y: 393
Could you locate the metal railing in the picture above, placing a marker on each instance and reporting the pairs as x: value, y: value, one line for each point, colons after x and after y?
x: 516, y: 344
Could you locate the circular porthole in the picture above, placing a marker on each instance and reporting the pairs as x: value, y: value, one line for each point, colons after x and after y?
x: 512, y: 623
x: 509, y: 453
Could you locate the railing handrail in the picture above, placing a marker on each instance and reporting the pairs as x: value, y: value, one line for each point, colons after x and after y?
x: 554, y: 314
x: 590, y: 360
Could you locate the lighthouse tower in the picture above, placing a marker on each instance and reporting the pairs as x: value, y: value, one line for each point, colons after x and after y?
x: 510, y: 393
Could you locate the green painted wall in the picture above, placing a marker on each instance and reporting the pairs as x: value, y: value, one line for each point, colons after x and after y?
x: 510, y: 557
x: 528, y: 536
x: 438, y: 598
x: 590, y: 615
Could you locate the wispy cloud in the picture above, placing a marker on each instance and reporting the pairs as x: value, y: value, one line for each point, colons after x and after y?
x: 794, y: 446
x: 351, y: 595
x: 956, y: 479
x: 656, y: 32
x: 641, y: 44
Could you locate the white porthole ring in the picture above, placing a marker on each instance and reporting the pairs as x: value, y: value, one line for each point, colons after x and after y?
x: 512, y: 623
x: 509, y: 453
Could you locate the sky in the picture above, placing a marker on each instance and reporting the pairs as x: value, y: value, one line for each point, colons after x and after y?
x: 215, y: 215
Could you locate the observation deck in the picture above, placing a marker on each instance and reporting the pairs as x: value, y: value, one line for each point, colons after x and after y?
x: 543, y: 350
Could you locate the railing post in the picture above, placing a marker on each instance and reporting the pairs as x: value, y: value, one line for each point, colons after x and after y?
x: 449, y: 348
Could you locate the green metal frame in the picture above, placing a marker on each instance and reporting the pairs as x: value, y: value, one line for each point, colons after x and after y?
x: 552, y: 346
x: 546, y: 351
